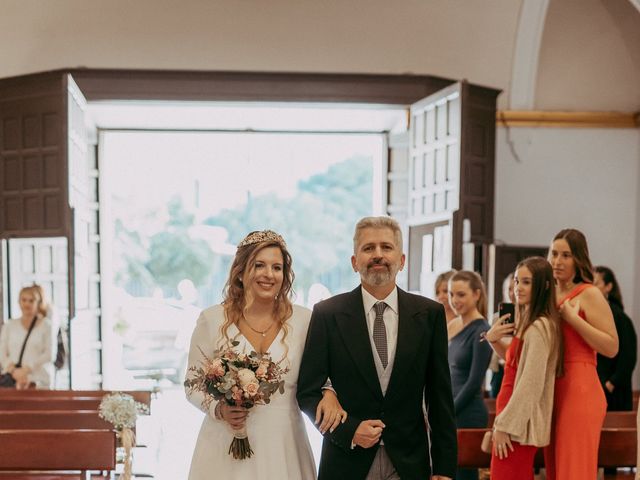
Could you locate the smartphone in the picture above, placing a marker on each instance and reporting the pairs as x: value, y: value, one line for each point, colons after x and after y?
x: 505, y: 308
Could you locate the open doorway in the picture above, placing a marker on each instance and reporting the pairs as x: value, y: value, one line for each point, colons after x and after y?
x: 177, y: 195
x: 176, y: 201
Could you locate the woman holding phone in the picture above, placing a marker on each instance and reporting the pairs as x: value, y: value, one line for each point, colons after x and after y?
x: 532, y: 361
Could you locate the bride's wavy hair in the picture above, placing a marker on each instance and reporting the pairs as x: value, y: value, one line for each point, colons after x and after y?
x: 237, y: 300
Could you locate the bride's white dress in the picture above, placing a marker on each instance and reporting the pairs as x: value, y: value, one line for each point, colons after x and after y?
x: 276, y: 431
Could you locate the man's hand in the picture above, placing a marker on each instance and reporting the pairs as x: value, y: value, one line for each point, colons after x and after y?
x: 440, y: 477
x: 368, y: 433
x: 609, y: 386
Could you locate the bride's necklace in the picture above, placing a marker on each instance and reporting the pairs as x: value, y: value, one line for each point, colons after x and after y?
x: 260, y: 332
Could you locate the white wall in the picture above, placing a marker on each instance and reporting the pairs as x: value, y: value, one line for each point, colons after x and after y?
x: 458, y: 39
x: 588, y: 179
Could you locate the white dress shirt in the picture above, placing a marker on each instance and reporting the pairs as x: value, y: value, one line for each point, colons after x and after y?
x: 390, y: 318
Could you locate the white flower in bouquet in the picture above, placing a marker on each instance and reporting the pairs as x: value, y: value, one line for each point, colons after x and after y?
x: 246, y: 376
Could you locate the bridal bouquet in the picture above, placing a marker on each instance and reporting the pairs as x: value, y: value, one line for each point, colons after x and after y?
x: 239, y: 379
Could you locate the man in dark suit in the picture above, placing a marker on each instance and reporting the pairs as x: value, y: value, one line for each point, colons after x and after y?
x: 385, y: 353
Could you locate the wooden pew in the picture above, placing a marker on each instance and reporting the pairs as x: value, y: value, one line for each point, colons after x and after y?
x: 52, y: 419
x: 141, y: 396
x: 57, y: 450
x: 490, y: 404
x: 617, y: 448
x: 14, y: 403
x: 620, y: 420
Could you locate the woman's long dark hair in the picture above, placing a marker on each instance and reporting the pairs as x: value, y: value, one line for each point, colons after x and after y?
x: 542, y: 304
x: 608, y: 277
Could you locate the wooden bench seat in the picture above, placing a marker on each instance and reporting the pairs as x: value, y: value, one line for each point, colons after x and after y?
x: 141, y: 396
x: 52, y: 419
x: 620, y: 420
x: 57, y: 450
x: 617, y: 448
x: 43, y: 475
x: 13, y: 403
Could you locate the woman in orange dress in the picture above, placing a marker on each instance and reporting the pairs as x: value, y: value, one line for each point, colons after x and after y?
x: 587, y: 327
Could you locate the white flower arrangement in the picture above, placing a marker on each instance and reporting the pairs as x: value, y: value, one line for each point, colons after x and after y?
x: 120, y: 410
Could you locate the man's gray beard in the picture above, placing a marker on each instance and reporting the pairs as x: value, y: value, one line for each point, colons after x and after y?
x: 378, y: 278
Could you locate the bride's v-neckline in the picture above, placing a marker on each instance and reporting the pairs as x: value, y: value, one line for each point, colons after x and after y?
x: 252, y: 345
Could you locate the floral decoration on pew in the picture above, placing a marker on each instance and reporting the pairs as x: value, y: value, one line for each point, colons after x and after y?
x: 121, y: 411
x: 239, y: 379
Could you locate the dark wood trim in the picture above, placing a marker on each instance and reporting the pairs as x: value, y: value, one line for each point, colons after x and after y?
x: 184, y: 85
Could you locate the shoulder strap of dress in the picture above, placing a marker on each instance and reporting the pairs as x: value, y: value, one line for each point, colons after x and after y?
x: 577, y: 291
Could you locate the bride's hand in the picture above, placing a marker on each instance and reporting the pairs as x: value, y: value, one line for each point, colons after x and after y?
x: 330, y: 412
x: 234, y: 416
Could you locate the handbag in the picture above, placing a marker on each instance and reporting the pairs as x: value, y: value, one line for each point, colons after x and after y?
x: 487, y: 440
x: 61, y: 353
x: 6, y: 379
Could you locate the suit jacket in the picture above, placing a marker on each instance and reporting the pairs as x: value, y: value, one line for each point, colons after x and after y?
x: 338, y: 347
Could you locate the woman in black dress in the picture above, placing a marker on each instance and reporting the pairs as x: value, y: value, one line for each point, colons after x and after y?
x: 615, y: 373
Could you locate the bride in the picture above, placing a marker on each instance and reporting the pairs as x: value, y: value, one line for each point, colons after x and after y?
x: 257, y: 312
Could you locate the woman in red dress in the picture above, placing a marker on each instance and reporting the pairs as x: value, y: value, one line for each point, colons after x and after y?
x: 587, y: 327
x: 525, y: 403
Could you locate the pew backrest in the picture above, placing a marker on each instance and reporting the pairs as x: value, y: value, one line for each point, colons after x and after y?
x: 57, y: 450
x: 52, y: 419
x: 142, y: 396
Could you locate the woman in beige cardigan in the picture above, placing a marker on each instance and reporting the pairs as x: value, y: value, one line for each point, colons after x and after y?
x: 532, y: 361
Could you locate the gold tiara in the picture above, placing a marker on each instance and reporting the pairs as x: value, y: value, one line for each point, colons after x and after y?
x: 262, y: 236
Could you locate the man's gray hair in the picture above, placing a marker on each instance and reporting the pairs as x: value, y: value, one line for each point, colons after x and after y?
x: 378, y: 222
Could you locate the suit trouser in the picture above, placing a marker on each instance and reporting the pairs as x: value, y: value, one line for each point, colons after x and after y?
x: 382, y: 468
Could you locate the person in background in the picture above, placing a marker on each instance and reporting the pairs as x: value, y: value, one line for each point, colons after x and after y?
x: 615, y: 373
x: 468, y: 356
x: 36, y: 366
x: 496, y: 364
x: 533, y: 360
x: 454, y: 323
x: 587, y: 327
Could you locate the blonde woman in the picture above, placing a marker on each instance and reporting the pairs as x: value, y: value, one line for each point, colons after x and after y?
x: 257, y: 312
x: 454, y: 322
x: 34, y: 365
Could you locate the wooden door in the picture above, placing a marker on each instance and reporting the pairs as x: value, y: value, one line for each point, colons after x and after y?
x: 49, y: 190
x: 395, y: 188
x: 451, y: 179
x: 85, y: 329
